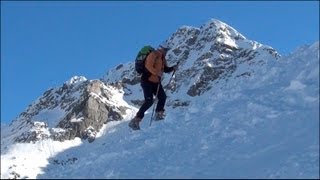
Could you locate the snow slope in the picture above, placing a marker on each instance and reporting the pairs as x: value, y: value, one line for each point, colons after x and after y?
x: 265, y: 125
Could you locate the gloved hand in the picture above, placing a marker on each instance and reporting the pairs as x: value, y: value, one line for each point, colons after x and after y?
x: 175, y: 67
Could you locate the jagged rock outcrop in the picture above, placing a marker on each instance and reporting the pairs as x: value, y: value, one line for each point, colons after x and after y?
x: 79, y: 108
x: 90, y: 113
x: 220, y: 51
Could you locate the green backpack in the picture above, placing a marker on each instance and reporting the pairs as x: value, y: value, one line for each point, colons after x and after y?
x: 141, y: 57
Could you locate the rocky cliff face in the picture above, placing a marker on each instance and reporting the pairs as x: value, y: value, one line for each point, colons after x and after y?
x: 208, y: 57
x: 77, y: 109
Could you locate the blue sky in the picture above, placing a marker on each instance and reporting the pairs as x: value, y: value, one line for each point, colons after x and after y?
x: 43, y: 44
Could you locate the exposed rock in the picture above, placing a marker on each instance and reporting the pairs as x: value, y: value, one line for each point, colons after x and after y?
x: 90, y: 134
x: 39, y: 131
x: 179, y: 103
x: 137, y: 102
x: 64, y: 162
x: 86, y: 106
x: 89, y: 114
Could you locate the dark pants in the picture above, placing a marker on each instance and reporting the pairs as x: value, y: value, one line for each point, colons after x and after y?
x: 150, y: 89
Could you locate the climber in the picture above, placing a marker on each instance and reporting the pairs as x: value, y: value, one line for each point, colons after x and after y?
x: 155, y: 64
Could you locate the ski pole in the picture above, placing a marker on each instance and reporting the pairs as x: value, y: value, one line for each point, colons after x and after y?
x: 154, y: 105
x: 172, y: 74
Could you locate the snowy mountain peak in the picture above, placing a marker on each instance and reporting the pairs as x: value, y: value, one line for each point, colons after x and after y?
x: 215, y: 26
x: 215, y: 22
x: 214, y: 31
x: 75, y: 80
x: 206, y: 55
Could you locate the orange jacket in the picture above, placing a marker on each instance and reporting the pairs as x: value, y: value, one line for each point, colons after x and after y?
x: 156, y: 64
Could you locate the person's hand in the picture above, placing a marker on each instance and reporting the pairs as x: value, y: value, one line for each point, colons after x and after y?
x: 175, y: 67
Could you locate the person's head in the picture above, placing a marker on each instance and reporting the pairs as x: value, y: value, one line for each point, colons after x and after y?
x: 163, y: 50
